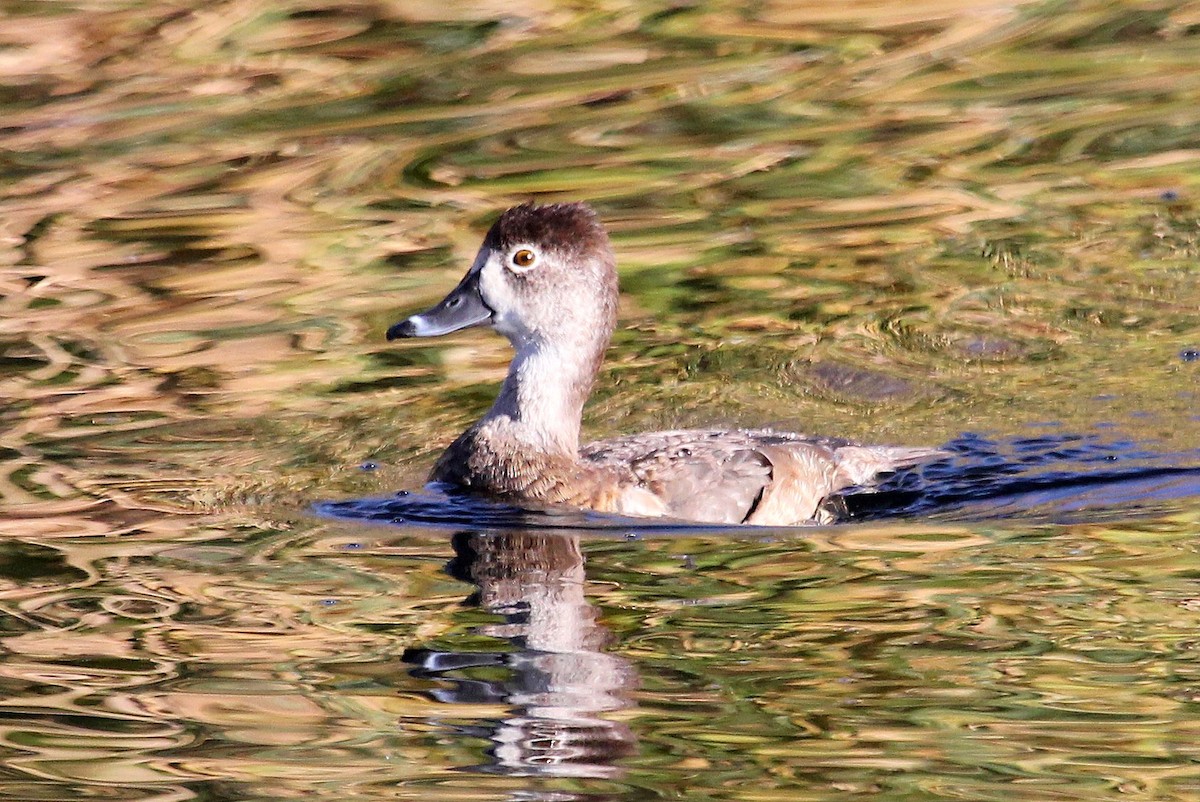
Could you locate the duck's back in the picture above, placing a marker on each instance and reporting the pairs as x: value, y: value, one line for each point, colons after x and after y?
x: 742, y: 476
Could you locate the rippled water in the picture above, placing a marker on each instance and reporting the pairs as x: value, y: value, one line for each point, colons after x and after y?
x: 970, y: 224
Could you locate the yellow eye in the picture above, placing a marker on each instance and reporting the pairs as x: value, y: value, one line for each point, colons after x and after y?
x: 523, y: 258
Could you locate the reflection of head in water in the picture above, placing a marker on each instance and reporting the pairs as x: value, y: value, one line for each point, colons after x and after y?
x: 560, y: 680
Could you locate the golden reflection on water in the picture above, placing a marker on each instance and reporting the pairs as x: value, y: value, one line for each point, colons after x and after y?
x: 898, y: 222
x: 321, y: 655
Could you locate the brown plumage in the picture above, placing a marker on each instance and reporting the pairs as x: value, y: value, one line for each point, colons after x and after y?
x: 546, y: 278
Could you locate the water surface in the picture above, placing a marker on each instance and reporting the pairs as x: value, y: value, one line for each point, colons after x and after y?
x: 963, y: 224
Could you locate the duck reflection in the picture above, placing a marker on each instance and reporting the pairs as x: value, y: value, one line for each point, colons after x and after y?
x: 559, y: 680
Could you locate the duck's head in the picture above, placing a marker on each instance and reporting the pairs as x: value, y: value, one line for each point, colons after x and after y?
x: 545, y: 275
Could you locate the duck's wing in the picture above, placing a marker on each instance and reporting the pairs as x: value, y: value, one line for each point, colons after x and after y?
x: 690, y: 474
x: 756, y: 477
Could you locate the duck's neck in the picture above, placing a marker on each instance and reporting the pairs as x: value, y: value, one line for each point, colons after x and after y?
x: 543, y: 396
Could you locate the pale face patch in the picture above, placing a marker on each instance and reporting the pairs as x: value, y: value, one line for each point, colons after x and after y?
x: 497, y: 291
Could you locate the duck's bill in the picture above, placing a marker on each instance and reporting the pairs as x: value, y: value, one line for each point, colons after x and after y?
x: 461, y: 309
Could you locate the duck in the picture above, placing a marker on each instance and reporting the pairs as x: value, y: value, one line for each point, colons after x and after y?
x: 545, y: 277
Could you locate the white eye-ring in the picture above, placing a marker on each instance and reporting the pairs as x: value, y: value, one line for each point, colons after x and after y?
x: 523, y: 259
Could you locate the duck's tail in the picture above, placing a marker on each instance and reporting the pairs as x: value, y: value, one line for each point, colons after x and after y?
x: 863, y: 465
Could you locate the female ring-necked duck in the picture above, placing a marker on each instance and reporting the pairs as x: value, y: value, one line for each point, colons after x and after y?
x: 546, y: 279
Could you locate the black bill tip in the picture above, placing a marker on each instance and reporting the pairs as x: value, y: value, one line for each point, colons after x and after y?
x: 401, y: 330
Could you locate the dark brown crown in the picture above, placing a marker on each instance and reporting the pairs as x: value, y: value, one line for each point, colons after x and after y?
x: 569, y: 228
